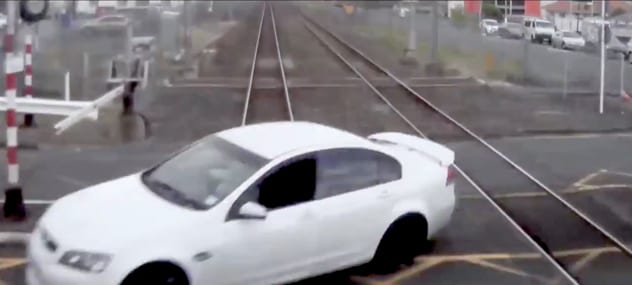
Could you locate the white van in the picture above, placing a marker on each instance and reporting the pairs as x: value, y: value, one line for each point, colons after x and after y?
x: 538, y: 30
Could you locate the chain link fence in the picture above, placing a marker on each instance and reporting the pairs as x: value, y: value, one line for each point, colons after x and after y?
x: 462, y: 45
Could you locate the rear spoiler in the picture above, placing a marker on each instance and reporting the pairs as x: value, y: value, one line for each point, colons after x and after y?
x: 443, y: 155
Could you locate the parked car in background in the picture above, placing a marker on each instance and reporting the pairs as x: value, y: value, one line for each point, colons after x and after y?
x: 402, y: 11
x: 3, y: 21
x: 511, y: 31
x: 568, y: 40
x: 512, y: 27
x: 538, y: 30
x: 488, y: 27
x: 107, y: 22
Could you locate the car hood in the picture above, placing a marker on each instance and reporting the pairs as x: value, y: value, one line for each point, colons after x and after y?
x: 111, y: 215
x: 574, y: 40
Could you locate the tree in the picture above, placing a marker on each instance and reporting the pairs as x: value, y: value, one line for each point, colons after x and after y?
x: 491, y: 11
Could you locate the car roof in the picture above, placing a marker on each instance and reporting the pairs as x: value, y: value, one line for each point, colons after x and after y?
x: 276, y: 138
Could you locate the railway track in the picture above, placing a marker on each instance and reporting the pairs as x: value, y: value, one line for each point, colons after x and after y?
x: 527, y: 218
x: 263, y: 104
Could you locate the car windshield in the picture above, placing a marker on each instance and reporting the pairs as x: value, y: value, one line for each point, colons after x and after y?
x: 543, y: 24
x: 490, y: 22
x: 571, y: 35
x: 203, y: 174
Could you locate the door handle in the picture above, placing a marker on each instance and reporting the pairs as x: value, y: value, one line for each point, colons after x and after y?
x: 384, y: 194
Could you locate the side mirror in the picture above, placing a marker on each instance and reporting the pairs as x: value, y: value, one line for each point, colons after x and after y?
x: 252, y: 211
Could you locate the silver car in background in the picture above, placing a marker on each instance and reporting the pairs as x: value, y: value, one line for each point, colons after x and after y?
x: 568, y: 40
x: 512, y: 27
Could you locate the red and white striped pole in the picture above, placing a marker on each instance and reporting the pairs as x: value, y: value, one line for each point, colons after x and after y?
x: 13, y: 201
x: 29, y: 119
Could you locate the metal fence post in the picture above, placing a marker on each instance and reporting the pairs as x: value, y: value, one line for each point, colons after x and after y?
x: 622, y: 78
x: 85, y: 82
x: 565, y: 91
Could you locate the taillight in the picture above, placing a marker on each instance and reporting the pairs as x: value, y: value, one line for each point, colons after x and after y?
x: 451, y: 175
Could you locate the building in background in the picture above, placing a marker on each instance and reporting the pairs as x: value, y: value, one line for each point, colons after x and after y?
x: 509, y: 7
x: 568, y: 15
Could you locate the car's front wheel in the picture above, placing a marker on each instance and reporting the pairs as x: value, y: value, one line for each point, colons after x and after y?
x: 401, y: 243
x: 158, y: 273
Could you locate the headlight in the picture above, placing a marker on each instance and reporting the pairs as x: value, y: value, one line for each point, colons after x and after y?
x: 85, y: 261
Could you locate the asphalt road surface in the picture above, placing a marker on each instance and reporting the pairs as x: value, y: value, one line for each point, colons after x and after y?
x: 478, y: 245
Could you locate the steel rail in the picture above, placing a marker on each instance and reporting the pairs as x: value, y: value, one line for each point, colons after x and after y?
x: 612, y: 238
x: 252, y: 68
x: 280, y: 58
x: 544, y: 252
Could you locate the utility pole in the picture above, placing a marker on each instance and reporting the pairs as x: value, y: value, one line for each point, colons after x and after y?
x: 434, y: 66
x: 570, y: 12
x: 480, y: 10
x: 622, y: 78
x: 603, y: 56
x: 410, y: 55
x: 435, y: 32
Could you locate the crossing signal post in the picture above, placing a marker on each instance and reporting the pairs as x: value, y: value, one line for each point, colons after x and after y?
x: 30, y: 11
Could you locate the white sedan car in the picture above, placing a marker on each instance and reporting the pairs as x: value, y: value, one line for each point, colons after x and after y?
x: 568, y: 40
x: 489, y: 27
x: 260, y: 204
x: 107, y: 22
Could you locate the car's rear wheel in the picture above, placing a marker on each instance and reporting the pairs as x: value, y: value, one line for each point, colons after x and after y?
x: 158, y: 273
x: 406, y: 238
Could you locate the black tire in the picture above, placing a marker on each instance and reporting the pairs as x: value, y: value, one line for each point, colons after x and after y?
x: 563, y: 45
x: 159, y: 273
x: 403, y: 241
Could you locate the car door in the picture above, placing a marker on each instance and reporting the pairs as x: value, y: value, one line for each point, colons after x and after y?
x: 354, y: 198
x: 279, y: 247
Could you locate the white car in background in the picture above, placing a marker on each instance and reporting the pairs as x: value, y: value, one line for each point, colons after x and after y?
x: 261, y: 204
x: 107, y: 22
x: 568, y: 40
x: 489, y: 27
x: 403, y: 11
x: 3, y: 21
x: 539, y: 30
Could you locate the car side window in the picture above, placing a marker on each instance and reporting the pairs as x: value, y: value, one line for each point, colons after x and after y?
x: 290, y: 183
x: 344, y: 170
x: 389, y: 169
